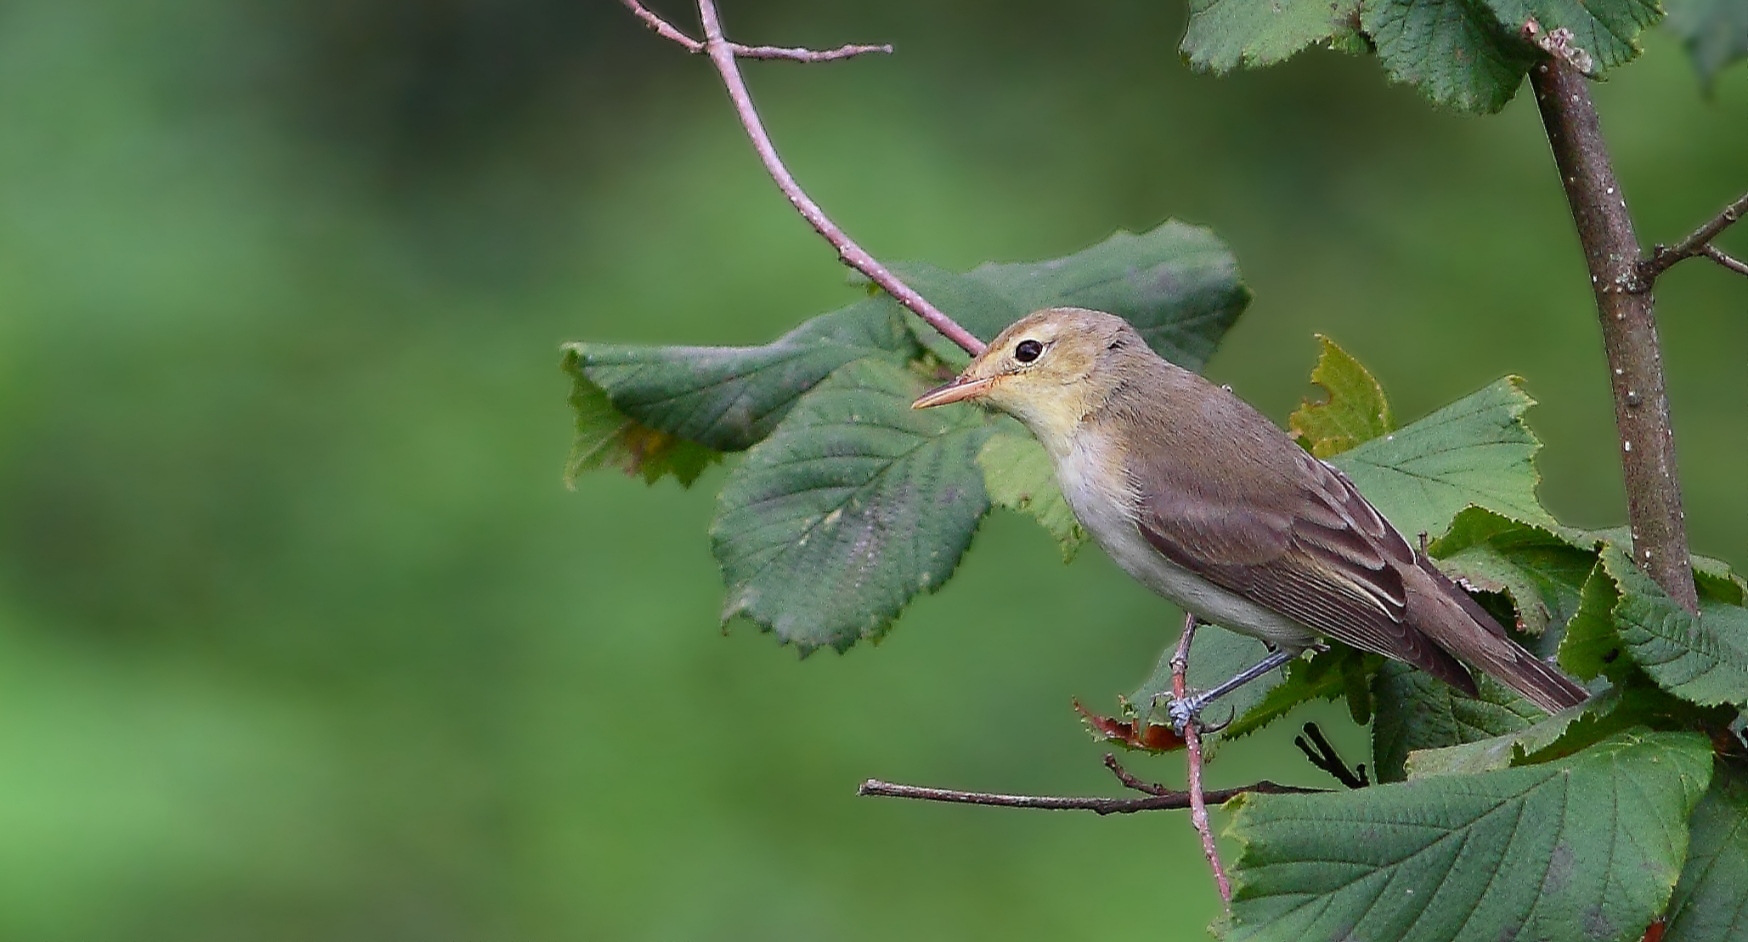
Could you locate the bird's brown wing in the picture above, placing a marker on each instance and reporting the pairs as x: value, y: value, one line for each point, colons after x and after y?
x: 1302, y: 543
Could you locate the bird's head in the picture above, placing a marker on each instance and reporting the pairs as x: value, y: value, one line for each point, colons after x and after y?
x: 1048, y: 369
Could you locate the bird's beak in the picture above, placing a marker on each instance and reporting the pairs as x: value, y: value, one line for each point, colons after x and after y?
x: 959, y: 390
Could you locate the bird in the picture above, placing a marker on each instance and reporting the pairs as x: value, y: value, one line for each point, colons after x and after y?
x: 1203, y: 500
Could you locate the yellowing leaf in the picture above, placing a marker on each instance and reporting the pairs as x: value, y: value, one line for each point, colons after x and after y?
x: 1354, y: 411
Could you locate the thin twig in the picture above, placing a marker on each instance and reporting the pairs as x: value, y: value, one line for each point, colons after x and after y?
x: 1180, y: 664
x: 1163, y: 799
x: 1323, y: 755
x: 1629, y: 327
x: 1722, y: 258
x: 1698, y: 242
x: 1130, y: 781
x: 722, y: 54
x: 668, y: 31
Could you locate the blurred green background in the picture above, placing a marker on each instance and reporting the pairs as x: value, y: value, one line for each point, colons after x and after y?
x: 300, y: 636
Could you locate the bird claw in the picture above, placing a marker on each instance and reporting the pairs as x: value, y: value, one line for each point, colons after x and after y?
x: 1184, y: 712
x: 1189, y: 710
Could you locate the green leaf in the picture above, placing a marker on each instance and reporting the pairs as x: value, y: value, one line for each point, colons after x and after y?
x: 1715, y: 33
x: 1417, y: 711
x: 1606, y: 29
x: 728, y: 398
x: 1353, y: 412
x: 1543, y: 573
x: 1225, y: 34
x: 607, y: 438
x: 1708, y: 904
x: 1584, y: 847
x: 1474, y: 451
x: 1019, y: 476
x: 1703, y: 660
x: 1336, y: 674
x: 1590, y: 647
x: 853, y: 505
x: 1177, y: 283
x: 1454, y: 51
x: 1557, y: 736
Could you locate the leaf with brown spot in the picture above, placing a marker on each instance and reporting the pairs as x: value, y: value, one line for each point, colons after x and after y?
x: 1131, y: 732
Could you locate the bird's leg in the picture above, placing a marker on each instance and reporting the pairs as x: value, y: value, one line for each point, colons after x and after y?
x: 1186, y: 710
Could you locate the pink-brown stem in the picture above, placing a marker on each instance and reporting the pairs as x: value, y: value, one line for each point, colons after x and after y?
x: 1180, y: 664
x: 723, y: 54
x: 668, y: 31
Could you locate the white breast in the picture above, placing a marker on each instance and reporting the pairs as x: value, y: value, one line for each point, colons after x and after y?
x: 1105, y: 513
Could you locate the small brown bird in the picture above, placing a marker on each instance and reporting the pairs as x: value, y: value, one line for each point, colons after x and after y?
x: 1209, y: 504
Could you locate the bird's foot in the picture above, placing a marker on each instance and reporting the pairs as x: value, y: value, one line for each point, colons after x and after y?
x: 1189, y: 710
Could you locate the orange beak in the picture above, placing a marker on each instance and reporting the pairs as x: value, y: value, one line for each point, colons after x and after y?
x: 959, y: 390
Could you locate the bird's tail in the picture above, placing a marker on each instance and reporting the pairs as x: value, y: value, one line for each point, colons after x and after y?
x: 1493, y: 651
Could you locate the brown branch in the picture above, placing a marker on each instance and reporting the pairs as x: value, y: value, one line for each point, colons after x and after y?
x: 668, y: 31
x: 723, y: 55
x: 1698, y: 242
x: 1180, y: 664
x: 1629, y: 328
x: 1158, y: 797
x: 1319, y: 752
x: 1718, y: 255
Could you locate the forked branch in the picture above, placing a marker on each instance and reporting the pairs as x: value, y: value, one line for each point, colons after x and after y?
x: 668, y: 31
x: 1698, y: 243
x: 723, y: 54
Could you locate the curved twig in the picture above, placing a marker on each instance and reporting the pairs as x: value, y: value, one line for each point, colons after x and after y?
x: 722, y: 54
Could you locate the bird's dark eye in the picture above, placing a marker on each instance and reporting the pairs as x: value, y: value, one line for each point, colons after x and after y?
x: 1028, y: 350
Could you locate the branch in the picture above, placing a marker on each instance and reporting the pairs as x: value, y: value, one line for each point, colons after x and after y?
x: 1629, y: 329
x: 722, y: 54
x: 1159, y: 798
x: 1323, y: 755
x: 1180, y: 663
x: 668, y: 31
x: 1698, y: 242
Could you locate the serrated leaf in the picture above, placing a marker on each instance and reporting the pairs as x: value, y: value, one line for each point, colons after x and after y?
x: 1556, y: 736
x: 1177, y: 283
x: 1709, y: 904
x: 1715, y: 33
x: 728, y: 398
x: 1417, y: 711
x: 1132, y: 730
x: 1354, y: 409
x: 1340, y: 673
x: 1541, y: 571
x: 1225, y: 34
x: 854, y: 504
x: 607, y: 438
x: 1454, y: 51
x: 1584, y: 847
x: 1703, y: 659
x: 1018, y: 475
x: 1606, y: 29
x: 1591, y: 647
x: 1476, y: 450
